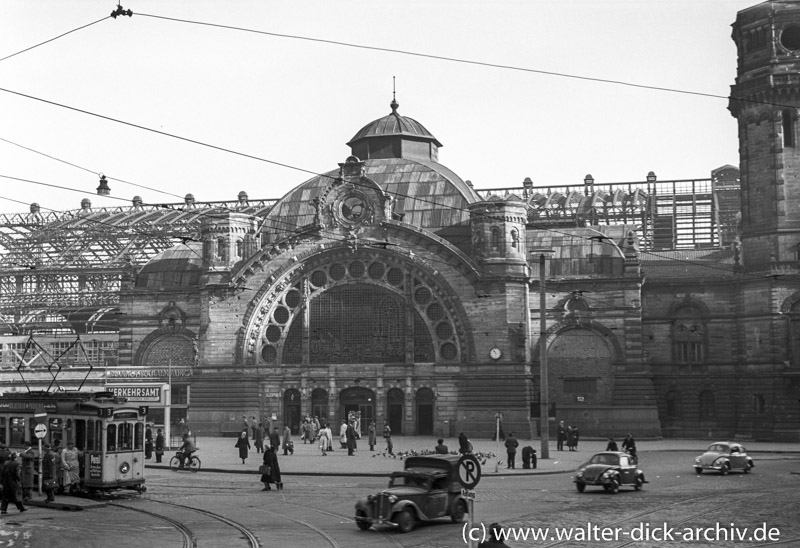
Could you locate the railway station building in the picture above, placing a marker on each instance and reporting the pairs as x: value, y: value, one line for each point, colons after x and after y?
x: 392, y: 288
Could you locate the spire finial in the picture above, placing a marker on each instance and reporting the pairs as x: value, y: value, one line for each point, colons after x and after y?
x: 394, y: 104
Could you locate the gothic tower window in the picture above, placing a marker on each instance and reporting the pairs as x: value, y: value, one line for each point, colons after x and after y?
x: 220, y: 249
x: 239, y: 248
x: 515, y: 239
x: 788, y: 127
x: 688, y: 336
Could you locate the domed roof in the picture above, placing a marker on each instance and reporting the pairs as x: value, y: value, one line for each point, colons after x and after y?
x: 176, y: 267
x: 394, y: 125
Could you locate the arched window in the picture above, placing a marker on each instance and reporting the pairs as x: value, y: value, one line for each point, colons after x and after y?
x: 708, y: 405
x: 220, y: 255
x: 515, y: 239
x: 495, y: 240
x: 688, y: 335
x: 239, y: 248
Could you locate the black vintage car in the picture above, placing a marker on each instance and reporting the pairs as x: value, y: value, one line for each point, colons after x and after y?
x: 428, y: 488
x: 610, y: 469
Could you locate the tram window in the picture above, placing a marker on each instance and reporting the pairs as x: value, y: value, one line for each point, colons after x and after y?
x: 55, y: 430
x: 17, y: 431
x: 91, y: 436
x: 80, y: 435
x: 3, y: 438
x: 138, y: 438
x: 125, y: 436
x: 111, y: 437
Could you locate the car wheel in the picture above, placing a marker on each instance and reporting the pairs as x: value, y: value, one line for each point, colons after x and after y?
x: 405, y: 520
x: 361, y: 520
x: 638, y: 483
x: 613, y: 487
x: 581, y: 487
x: 459, y: 512
x: 698, y: 469
x: 725, y: 469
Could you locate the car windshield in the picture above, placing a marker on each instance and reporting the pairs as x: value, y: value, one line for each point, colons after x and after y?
x: 409, y: 481
x: 604, y: 459
x: 718, y: 448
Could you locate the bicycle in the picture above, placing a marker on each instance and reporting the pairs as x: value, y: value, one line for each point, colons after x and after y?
x: 192, y: 463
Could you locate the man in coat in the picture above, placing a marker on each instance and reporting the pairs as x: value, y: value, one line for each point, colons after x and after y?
x: 441, y: 448
x: 48, y: 472
x: 28, y: 457
x: 288, y: 444
x: 12, y: 485
x: 511, y: 450
x: 561, y: 436
x: 350, y: 434
x: 275, y: 439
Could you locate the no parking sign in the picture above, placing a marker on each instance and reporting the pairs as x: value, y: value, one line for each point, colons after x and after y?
x: 469, y: 471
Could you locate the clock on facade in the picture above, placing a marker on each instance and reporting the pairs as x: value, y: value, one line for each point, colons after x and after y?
x: 495, y: 353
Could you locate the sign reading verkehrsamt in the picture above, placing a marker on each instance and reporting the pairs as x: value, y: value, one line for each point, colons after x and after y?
x: 137, y: 393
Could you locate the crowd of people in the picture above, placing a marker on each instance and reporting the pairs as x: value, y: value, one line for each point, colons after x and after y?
x: 569, y: 435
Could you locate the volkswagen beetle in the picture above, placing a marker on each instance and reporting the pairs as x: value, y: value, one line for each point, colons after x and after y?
x: 611, y: 470
x: 426, y: 489
x: 723, y: 457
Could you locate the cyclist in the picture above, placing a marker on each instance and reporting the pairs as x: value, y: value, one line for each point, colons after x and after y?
x: 186, y: 449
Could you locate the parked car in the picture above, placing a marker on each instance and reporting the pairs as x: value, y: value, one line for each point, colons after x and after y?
x: 724, y: 456
x: 611, y: 470
x: 428, y: 488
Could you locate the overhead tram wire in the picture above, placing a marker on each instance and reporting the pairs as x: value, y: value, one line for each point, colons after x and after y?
x: 53, y: 39
x: 465, y: 61
x: 87, y: 169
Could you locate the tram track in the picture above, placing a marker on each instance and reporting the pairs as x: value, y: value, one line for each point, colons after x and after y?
x: 190, y: 538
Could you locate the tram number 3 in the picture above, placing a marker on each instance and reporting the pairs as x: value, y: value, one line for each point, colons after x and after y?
x: 105, y: 412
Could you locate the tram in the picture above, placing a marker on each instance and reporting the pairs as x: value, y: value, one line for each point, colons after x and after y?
x: 107, y: 430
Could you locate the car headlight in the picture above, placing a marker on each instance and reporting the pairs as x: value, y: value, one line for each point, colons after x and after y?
x: 608, y: 473
x: 392, y: 499
x: 370, y: 498
x: 697, y: 460
x: 579, y: 474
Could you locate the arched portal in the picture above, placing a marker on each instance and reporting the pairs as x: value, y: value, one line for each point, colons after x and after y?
x: 358, y: 400
x: 425, y: 412
x: 291, y: 410
x: 395, y: 410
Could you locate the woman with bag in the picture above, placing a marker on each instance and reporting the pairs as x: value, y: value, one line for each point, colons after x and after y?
x: 49, y: 482
x: 270, y: 471
x: 160, y: 443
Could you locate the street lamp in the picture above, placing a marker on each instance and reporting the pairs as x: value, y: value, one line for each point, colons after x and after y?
x: 544, y: 425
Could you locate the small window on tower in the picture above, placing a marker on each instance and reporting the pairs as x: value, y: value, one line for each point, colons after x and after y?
x: 788, y: 128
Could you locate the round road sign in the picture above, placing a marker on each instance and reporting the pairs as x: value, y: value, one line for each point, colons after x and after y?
x: 469, y: 471
x: 40, y: 430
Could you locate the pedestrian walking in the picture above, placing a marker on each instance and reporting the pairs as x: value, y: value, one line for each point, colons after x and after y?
x: 49, y: 481
x: 258, y: 439
x: 243, y: 444
x: 387, y: 435
x: 464, y: 446
x: 70, y: 461
x: 350, y: 434
x: 12, y: 484
x: 274, y: 439
x: 372, y: 436
x: 148, y: 443
x: 629, y: 446
x: 159, y: 445
x: 343, y: 435
x: 324, y: 439
x: 576, y: 435
x: 511, y: 450
x: 561, y: 436
x: 270, y: 470
x: 570, y: 438
x: 288, y: 444
x: 28, y: 457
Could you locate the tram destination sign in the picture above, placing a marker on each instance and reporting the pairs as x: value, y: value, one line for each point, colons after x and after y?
x: 137, y: 393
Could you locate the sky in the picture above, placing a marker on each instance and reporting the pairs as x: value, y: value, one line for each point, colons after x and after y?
x: 214, y: 97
